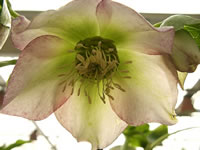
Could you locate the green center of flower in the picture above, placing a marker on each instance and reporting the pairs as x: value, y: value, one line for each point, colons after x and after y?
x: 96, y: 62
x: 96, y: 58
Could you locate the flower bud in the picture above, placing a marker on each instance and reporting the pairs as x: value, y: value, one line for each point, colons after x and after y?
x: 186, y: 53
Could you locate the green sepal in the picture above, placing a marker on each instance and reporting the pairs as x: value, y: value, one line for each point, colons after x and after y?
x: 157, y: 133
x: 194, y: 31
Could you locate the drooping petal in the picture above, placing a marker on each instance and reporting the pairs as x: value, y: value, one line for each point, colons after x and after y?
x: 72, y: 22
x: 131, y: 31
x: 151, y: 93
x: 20, y: 35
x: 34, y: 90
x: 95, y: 122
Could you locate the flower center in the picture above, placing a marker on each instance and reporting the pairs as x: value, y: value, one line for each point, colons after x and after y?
x: 96, y: 58
x: 96, y: 61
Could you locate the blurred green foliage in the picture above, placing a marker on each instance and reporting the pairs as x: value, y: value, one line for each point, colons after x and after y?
x: 142, y: 136
x: 16, y: 144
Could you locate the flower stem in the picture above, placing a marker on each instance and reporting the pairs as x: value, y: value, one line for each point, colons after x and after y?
x: 126, y: 146
x: 38, y: 128
x: 8, y: 62
x: 13, y: 13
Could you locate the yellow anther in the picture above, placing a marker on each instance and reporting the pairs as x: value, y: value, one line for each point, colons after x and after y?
x: 110, y: 96
x: 63, y: 90
x: 89, y: 99
x: 79, y: 91
x: 72, y: 91
x: 124, y: 71
x: 92, y: 59
x: 80, y: 58
x: 127, y: 77
x: 61, y: 75
x: 110, y: 49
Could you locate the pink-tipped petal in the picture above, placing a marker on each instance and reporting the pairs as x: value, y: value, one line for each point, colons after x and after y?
x: 104, y: 13
x: 131, y: 31
x: 96, y: 122
x: 151, y: 92
x: 20, y: 35
x: 34, y: 89
x: 19, y: 24
x: 72, y: 22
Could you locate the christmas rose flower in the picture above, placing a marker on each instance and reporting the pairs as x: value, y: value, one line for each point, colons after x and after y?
x: 98, y: 65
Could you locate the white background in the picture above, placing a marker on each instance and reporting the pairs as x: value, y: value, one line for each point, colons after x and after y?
x: 151, y: 6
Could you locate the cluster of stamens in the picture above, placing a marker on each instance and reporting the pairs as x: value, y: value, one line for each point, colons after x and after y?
x: 96, y: 61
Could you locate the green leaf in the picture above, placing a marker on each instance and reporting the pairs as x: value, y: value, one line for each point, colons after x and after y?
x: 157, y: 24
x: 131, y: 130
x: 16, y: 144
x: 1, y: 4
x: 157, y: 133
x: 179, y: 21
x: 163, y: 137
x: 13, y: 13
x: 194, y: 31
x: 141, y: 136
x: 9, y: 62
x: 136, y: 136
x: 137, y: 141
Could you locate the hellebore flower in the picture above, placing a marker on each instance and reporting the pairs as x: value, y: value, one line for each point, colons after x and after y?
x: 5, y: 23
x: 186, y: 51
x: 98, y: 65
